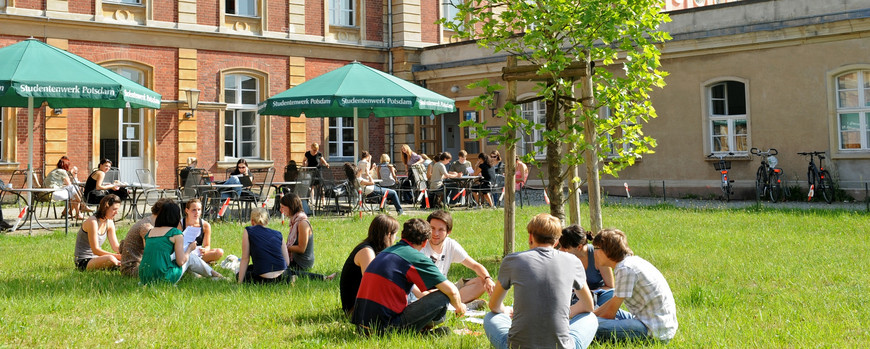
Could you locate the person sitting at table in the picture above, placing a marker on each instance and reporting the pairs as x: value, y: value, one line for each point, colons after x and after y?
x: 462, y: 165
x: 382, y: 233
x: 59, y: 178
x: 89, y: 254
x: 409, y: 158
x: 369, y: 188
x: 436, y: 178
x: 192, y: 221
x: 522, y: 173
x: 486, y: 171
x: 264, y: 249
x: 300, y: 240
x: 365, y: 164
x: 234, y: 179
x: 387, y: 172
x: 165, y: 256
x: 95, y: 189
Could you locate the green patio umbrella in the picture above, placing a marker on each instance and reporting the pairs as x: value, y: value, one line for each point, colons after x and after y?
x: 33, y: 73
x: 356, y: 90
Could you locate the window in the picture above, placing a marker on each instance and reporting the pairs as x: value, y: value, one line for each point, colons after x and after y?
x: 242, y: 7
x: 340, y: 137
x: 536, y: 113
x: 726, y: 107
x: 613, y: 150
x: 853, y: 110
x: 449, y: 10
x: 241, y: 125
x: 128, y: 2
x: 341, y: 13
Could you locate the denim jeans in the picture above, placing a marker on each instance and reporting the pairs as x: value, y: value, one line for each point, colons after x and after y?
x: 581, y: 328
x: 232, y: 180
x: 391, y: 196
x: 426, y: 311
x: 623, y: 326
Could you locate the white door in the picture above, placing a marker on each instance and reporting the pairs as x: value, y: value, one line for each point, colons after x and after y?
x: 130, y: 143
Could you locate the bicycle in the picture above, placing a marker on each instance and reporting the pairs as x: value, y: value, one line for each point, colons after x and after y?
x: 723, y: 166
x: 767, y: 178
x: 818, y: 178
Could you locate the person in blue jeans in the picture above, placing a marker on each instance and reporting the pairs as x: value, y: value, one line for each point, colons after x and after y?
x: 240, y: 170
x: 578, y: 242
x: 652, y: 312
x: 542, y: 315
x: 369, y: 188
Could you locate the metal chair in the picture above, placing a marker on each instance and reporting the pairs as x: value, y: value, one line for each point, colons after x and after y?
x: 149, y: 191
x: 258, y: 194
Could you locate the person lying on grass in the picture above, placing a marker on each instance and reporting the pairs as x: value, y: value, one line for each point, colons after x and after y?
x: 134, y: 243
x: 193, y: 222
x: 444, y: 251
x: 542, y: 316
x: 265, y: 249
x: 89, y: 254
x: 381, y: 303
x: 652, y: 313
x: 300, y: 240
x: 578, y: 242
x: 165, y: 255
x: 382, y: 233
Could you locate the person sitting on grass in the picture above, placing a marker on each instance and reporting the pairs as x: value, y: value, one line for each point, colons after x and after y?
x: 578, y: 242
x: 444, y: 251
x: 300, y: 240
x: 652, y: 312
x: 192, y: 221
x: 134, y: 243
x: 89, y: 254
x: 542, y: 316
x: 165, y: 256
x: 381, y: 303
x: 264, y: 248
x: 382, y: 233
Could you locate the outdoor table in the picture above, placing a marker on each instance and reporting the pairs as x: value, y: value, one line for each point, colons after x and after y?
x: 29, y: 216
x: 213, y: 186
x: 278, y: 194
x: 136, y: 187
x: 465, y: 182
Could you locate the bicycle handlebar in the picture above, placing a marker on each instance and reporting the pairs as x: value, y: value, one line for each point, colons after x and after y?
x: 758, y: 152
x: 814, y: 153
x: 720, y: 156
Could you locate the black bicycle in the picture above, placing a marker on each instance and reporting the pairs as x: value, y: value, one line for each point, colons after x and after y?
x: 818, y: 178
x: 723, y: 166
x: 767, y: 178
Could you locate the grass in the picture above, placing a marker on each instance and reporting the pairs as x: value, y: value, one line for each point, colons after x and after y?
x: 741, y: 278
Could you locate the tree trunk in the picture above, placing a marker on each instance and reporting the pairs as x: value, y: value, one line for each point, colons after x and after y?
x: 591, y: 155
x: 511, y: 153
x: 573, y: 172
x: 554, y: 166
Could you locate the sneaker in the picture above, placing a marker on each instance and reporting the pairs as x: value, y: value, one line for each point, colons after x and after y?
x: 476, y: 304
x: 437, y: 331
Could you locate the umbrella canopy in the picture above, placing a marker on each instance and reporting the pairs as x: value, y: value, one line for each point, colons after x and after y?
x: 32, y: 68
x: 356, y: 86
x: 33, y: 73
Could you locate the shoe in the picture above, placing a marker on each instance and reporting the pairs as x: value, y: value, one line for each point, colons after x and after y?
x: 475, y: 304
x: 437, y: 331
x: 4, y: 225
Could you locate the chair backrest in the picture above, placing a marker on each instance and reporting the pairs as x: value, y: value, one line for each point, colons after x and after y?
x: 303, y: 189
x: 145, y: 177
x: 114, y: 174
x: 266, y: 176
x: 422, y: 181
x: 194, y: 178
x: 291, y: 171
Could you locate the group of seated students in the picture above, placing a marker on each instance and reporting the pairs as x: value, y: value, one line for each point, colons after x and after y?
x: 564, y: 297
x: 166, y: 244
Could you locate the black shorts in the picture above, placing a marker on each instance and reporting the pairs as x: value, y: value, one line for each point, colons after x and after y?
x: 82, y: 263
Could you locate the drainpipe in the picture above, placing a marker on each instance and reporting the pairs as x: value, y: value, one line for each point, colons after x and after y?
x: 390, y: 70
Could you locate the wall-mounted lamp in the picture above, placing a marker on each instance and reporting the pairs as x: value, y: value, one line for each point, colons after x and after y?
x: 454, y: 88
x: 57, y: 111
x: 192, y: 101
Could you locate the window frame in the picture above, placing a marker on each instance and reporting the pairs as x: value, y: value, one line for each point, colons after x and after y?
x: 539, y: 114
x: 335, y: 149
x: 730, y: 119
x: 343, y: 11
x: 255, y: 12
x: 861, y: 110
x: 450, y: 15
x: 237, y: 109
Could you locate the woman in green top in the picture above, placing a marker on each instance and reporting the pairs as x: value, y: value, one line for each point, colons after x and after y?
x: 164, y: 253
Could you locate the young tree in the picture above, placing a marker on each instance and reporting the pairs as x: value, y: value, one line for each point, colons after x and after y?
x: 559, y: 37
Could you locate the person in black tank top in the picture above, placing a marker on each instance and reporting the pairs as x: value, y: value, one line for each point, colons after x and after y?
x: 382, y: 233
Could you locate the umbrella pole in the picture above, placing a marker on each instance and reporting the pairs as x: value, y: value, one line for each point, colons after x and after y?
x: 29, y: 146
x: 355, y: 137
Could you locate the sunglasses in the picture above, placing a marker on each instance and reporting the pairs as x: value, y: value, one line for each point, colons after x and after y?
x: 435, y: 259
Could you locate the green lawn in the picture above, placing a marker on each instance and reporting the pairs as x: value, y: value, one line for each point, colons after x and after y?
x: 741, y: 278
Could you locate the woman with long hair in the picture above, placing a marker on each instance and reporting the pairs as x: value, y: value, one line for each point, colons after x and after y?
x: 192, y: 221
x: 165, y: 256
x: 578, y: 242
x: 382, y: 233
x: 96, y: 189
x: 486, y: 171
x: 59, y: 178
x: 300, y: 240
x: 89, y: 254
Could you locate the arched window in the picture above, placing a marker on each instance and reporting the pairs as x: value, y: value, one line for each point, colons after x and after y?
x: 241, y: 124
x: 727, y: 128
x: 853, y: 110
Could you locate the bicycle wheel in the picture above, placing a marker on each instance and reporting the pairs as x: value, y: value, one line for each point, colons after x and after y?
x: 726, y: 190
x: 760, y: 176
x: 826, y: 185
x: 775, y: 188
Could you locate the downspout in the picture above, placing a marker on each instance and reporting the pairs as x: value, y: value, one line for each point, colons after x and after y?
x: 390, y: 71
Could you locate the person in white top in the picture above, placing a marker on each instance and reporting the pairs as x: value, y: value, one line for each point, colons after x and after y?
x: 652, y: 312
x: 445, y: 251
x: 365, y: 164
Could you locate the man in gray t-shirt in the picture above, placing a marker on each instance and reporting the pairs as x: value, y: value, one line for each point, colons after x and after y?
x: 543, y: 316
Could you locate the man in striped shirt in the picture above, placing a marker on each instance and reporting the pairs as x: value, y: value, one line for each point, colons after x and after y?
x: 382, y: 300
